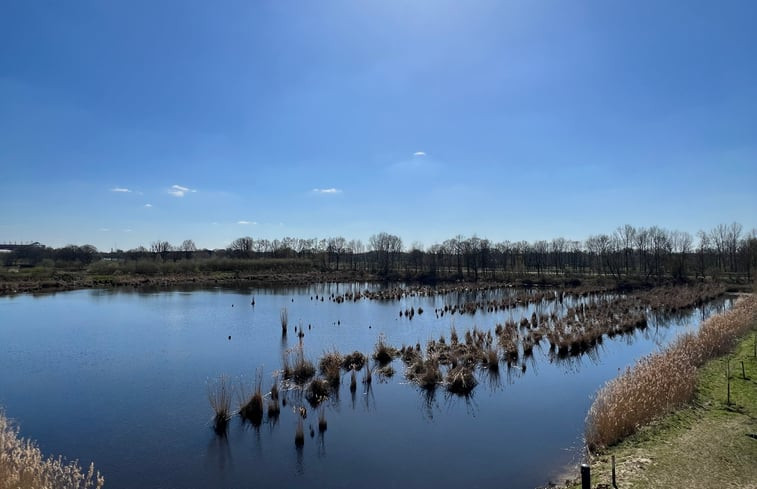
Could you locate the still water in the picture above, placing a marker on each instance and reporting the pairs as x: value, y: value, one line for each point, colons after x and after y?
x: 120, y: 378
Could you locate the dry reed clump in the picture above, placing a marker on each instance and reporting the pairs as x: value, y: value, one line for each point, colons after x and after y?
x: 661, y: 381
x: 317, y: 391
x: 219, y: 395
x: 22, y: 465
x: 384, y: 353
x: 330, y: 366
x: 354, y: 360
x: 296, y: 367
x: 425, y: 372
x: 251, y: 407
x: 460, y: 380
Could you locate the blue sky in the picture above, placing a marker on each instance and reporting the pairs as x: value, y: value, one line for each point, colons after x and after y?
x: 426, y: 119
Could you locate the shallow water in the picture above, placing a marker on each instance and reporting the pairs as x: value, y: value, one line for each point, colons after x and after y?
x: 120, y: 378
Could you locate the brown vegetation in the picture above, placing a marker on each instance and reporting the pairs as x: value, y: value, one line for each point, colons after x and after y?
x: 662, y: 381
x: 219, y: 395
x: 23, y: 466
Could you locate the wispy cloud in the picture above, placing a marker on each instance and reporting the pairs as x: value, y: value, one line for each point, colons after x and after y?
x: 121, y: 190
x: 327, y: 191
x: 419, y: 153
x: 105, y: 230
x: 180, y: 191
x: 245, y: 223
x: 148, y: 205
x: 127, y: 230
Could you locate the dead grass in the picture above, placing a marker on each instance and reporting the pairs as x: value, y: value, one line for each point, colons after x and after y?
x: 706, y: 444
x: 23, y: 466
x: 251, y: 406
x: 384, y: 353
x: 662, y: 381
x: 354, y: 360
x: 330, y: 366
x: 220, y: 393
x: 296, y: 367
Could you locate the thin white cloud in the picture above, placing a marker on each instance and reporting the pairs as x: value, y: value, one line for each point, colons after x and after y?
x: 127, y: 230
x: 148, y: 205
x: 120, y: 190
x: 180, y: 191
x: 245, y: 223
x: 327, y: 191
x: 105, y: 230
x: 419, y: 153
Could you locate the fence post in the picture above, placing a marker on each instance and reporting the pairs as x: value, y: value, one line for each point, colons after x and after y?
x: 728, y: 378
x: 614, y: 484
x: 585, y: 476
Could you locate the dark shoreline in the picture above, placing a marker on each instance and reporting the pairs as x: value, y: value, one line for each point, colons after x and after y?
x: 78, y: 280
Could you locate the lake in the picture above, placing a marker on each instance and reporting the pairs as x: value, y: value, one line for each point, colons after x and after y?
x: 119, y: 377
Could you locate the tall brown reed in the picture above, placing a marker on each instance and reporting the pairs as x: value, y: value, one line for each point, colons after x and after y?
x: 23, y: 466
x: 661, y: 381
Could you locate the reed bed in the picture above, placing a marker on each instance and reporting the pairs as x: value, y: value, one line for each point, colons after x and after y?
x: 23, y: 466
x: 659, y: 382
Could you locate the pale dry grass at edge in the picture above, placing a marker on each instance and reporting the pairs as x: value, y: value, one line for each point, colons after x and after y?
x: 22, y: 465
x: 662, y: 381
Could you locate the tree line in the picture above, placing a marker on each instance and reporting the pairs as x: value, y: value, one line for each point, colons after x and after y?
x: 652, y: 253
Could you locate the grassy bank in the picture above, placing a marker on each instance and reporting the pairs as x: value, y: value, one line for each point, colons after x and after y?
x: 23, y: 466
x: 708, y: 443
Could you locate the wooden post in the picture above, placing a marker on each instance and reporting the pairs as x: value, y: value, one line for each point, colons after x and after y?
x: 614, y: 484
x: 585, y: 476
x: 728, y: 378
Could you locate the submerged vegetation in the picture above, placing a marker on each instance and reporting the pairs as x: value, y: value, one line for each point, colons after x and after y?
x: 23, y: 466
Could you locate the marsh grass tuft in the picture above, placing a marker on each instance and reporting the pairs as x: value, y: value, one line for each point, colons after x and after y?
x: 251, y: 407
x: 220, y: 393
x: 384, y: 353
x: 330, y: 366
x: 354, y: 360
x: 460, y: 380
x: 296, y: 367
x: 317, y: 391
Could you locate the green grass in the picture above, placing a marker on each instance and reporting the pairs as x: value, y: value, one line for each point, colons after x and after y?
x: 703, y: 445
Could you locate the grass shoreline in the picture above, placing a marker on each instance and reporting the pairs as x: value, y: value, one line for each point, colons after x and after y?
x: 706, y: 443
